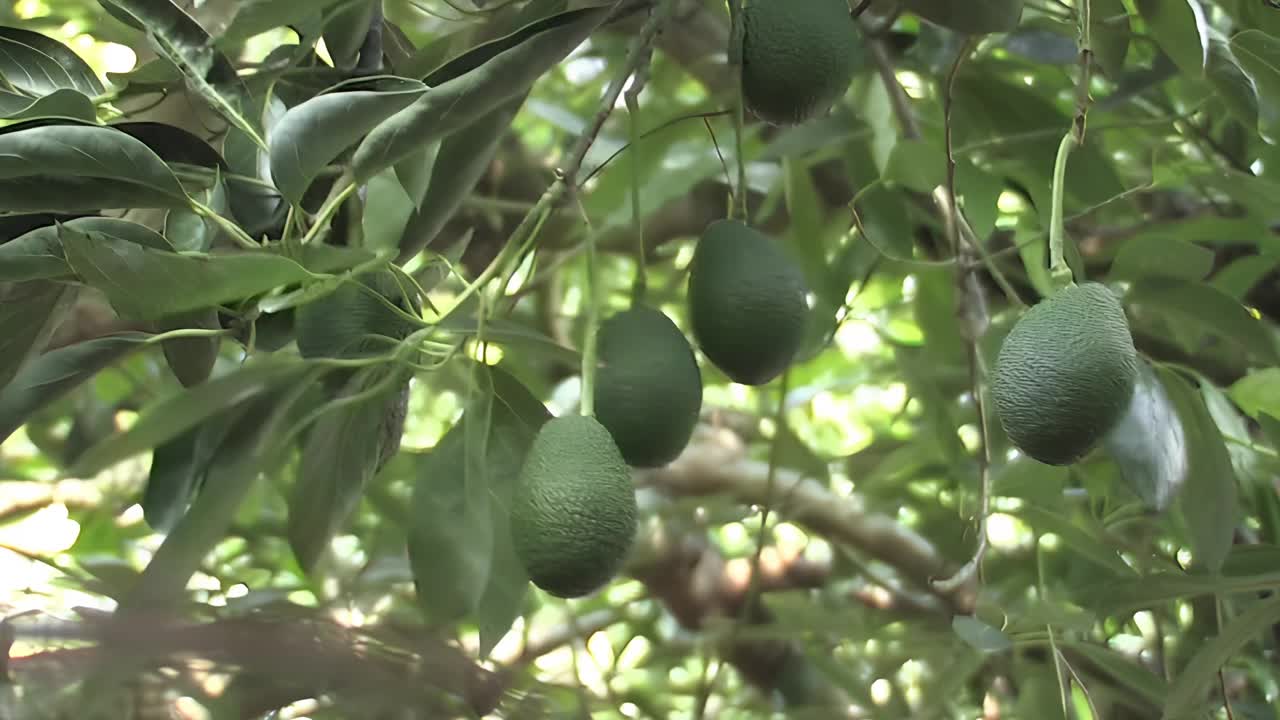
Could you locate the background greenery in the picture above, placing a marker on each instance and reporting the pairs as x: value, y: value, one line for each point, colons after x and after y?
x: 226, y: 549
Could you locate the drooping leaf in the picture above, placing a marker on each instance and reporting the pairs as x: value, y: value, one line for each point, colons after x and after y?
x: 173, y: 414
x: 106, y: 167
x: 1110, y: 34
x: 1181, y: 29
x: 1208, y: 500
x: 173, y: 144
x: 149, y: 284
x: 171, y: 481
x: 52, y: 375
x: 1259, y: 56
x: 178, y: 38
x: 1188, y: 688
x: 29, y: 314
x: 61, y: 103
x: 1204, y: 309
x: 1149, y: 444
x: 1258, y: 393
x: 312, y: 134
x: 969, y: 17
x: 345, y: 31
x: 459, y: 164
x: 38, y: 64
x: 344, y: 449
x: 457, y: 103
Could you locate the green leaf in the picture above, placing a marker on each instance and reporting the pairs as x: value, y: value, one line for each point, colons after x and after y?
x: 1149, y: 444
x: 1181, y: 29
x: 246, y: 451
x: 1188, y: 689
x: 37, y: 64
x: 254, y: 17
x: 173, y: 414
x: 1150, y: 686
x: 1258, y: 54
x: 1204, y: 309
x: 148, y: 284
x: 1258, y: 392
x: 171, y: 481
x: 29, y: 314
x: 1208, y: 501
x: 38, y: 253
x: 342, y: 453
x: 178, y: 38
x: 974, y: 18
x: 57, y: 372
x: 919, y: 165
x: 312, y: 134
x: 457, y: 103
x: 980, y: 635
x: 1110, y: 32
x: 1084, y: 540
x: 458, y: 574
x: 1231, y: 83
x: 63, y: 103
x: 1156, y: 256
x: 459, y: 164
x: 125, y: 171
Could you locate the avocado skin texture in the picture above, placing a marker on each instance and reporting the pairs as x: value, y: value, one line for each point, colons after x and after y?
x: 350, y: 322
x: 746, y: 302
x: 573, y: 516
x: 648, y: 387
x: 1065, y: 374
x: 797, y: 57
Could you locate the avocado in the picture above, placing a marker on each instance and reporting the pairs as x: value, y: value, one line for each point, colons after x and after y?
x: 351, y: 321
x: 573, y: 515
x: 648, y: 389
x: 1065, y: 373
x: 747, y: 302
x: 798, y: 57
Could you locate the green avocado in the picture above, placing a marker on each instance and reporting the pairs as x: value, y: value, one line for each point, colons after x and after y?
x: 1065, y: 374
x: 747, y: 302
x: 573, y: 516
x: 351, y: 321
x: 798, y: 57
x: 648, y: 387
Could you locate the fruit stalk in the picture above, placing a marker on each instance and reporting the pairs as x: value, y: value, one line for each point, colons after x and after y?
x: 1059, y: 272
x: 738, y: 206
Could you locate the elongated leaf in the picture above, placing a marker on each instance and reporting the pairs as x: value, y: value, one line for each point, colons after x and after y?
x: 62, y: 103
x: 1110, y: 33
x: 170, y: 416
x: 1149, y: 443
x: 343, y: 451
x: 1150, y: 686
x: 1233, y: 86
x: 1076, y: 538
x: 457, y: 103
x: 43, y: 153
x: 1258, y: 393
x: 1187, y: 690
x: 1153, y: 255
x: 1259, y: 56
x: 38, y: 254
x: 178, y: 38
x: 980, y: 635
x: 454, y: 579
x: 1205, y: 309
x: 29, y: 313
x: 36, y: 63
x: 242, y: 456
x: 461, y: 161
x: 1181, y: 29
x: 258, y: 16
x: 1208, y: 500
x: 52, y: 375
x: 974, y: 18
x: 174, y: 144
x: 171, y: 481
x: 149, y: 284
x: 312, y: 134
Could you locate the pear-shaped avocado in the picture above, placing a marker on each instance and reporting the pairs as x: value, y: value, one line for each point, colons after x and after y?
x: 747, y: 302
x: 573, y: 516
x: 648, y: 387
x: 1065, y: 374
x: 798, y: 57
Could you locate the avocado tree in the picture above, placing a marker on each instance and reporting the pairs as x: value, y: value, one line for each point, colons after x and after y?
x: 639, y: 358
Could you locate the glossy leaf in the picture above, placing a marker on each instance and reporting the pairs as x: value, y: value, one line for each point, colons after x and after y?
x: 173, y: 414
x: 38, y: 64
x: 1208, y: 500
x: 1149, y: 444
x: 61, y: 103
x: 38, y: 253
x: 120, y: 169
x: 1259, y: 56
x: 457, y: 103
x: 1181, y: 29
x: 52, y: 375
x: 149, y: 284
x: 29, y: 313
x: 1206, y: 310
x: 313, y: 134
